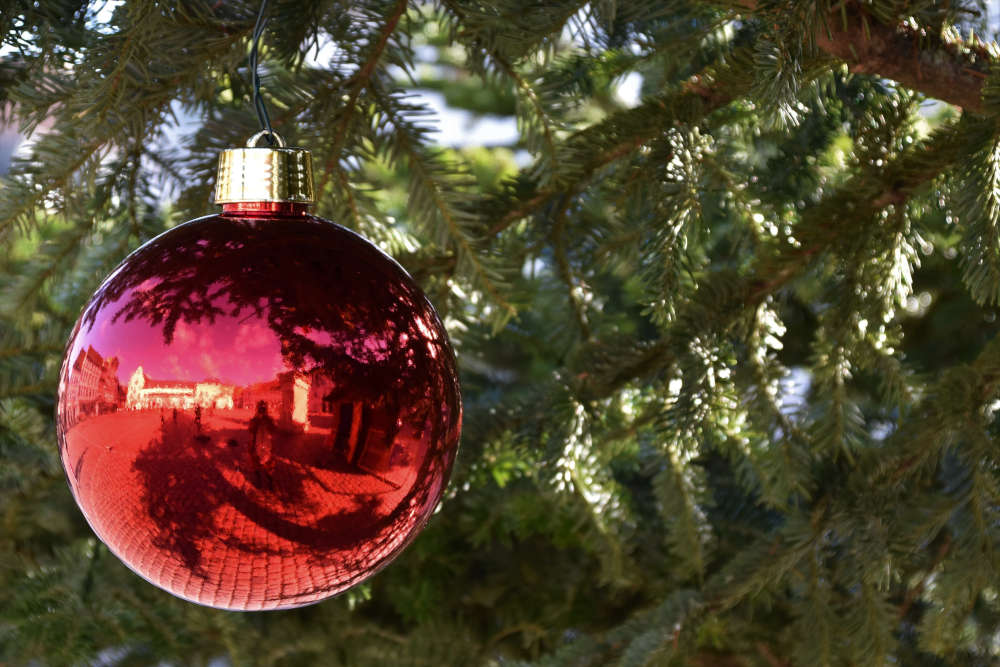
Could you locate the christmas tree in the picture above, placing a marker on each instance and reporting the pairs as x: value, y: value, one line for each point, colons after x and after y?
x: 729, y: 350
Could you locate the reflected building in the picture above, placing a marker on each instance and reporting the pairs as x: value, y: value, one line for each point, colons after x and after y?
x: 361, y: 433
x: 145, y: 393
x: 111, y: 394
x: 287, y: 396
x: 294, y: 387
x: 269, y: 392
x: 321, y: 394
x: 97, y: 390
x: 214, y: 394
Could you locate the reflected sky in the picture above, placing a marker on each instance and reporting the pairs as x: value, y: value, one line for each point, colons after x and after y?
x: 194, y: 349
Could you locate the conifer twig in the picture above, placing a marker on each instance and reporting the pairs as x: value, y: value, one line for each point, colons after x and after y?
x: 696, y: 96
x: 913, y: 593
x: 359, y: 81
x: 911, y: 56
x: 910, y: 171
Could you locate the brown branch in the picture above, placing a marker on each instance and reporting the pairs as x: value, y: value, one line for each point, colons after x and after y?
x: 944, y: 70
x: 923, y: 62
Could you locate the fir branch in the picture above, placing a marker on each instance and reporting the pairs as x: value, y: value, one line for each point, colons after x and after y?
x: 679, y: 491
x: 350, y: 199
x: 913, y: 56
x: 483, y: 56
x: 580, y: 156
x: 124, y: 98
x: 513, y: 29
x: 19, y: 296
x: 360, y: 80
x: 913, y: 593
x: 832, y: 225
x: 434, y: 196
x: 978, y: 207
x: 826, y: 224
x: 566, y: 271
x: 933, y: 428
x: 55, y: 161
x: 924, y: 62
x: 527, y: 92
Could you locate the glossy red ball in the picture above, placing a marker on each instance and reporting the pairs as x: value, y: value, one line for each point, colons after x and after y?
x: 258, y: 409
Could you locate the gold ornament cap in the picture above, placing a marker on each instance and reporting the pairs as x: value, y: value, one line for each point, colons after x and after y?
x: 265, y: 174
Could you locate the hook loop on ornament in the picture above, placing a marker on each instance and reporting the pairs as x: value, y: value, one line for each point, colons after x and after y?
x: 252, y: 141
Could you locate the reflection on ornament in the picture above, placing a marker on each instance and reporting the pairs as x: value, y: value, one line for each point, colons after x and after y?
x: 258, y: 409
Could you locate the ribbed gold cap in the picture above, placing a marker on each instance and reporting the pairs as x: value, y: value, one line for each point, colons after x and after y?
x: 266, y: 174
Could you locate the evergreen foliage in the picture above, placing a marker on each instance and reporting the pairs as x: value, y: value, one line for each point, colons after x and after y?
x: 730, y: 357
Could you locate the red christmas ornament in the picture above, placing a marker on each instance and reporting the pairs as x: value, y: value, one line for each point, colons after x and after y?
x: 258, y: 409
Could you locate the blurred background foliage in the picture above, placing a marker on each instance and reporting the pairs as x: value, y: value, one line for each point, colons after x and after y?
x: 724, y: 301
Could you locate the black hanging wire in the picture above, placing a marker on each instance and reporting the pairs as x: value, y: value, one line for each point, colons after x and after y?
x: 258, y: 100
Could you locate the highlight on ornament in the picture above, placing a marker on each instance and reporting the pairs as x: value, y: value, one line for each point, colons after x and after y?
x: 258, y: 409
